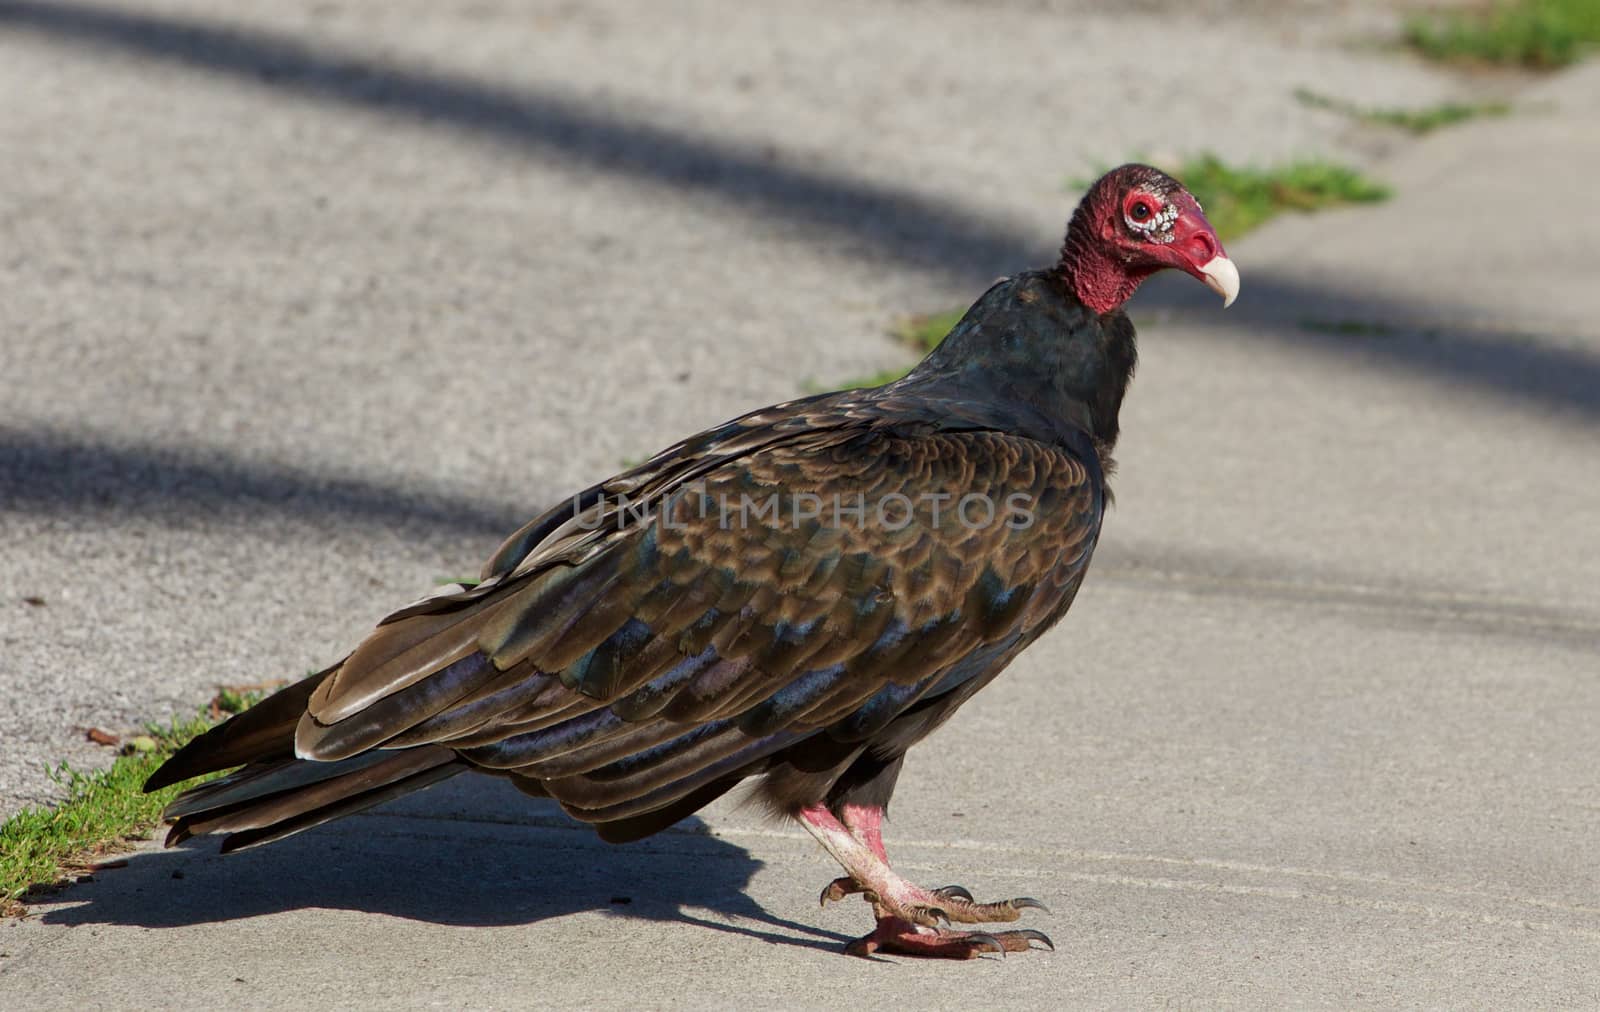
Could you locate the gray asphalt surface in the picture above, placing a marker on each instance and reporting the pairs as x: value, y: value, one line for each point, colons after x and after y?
x: 303, y: 313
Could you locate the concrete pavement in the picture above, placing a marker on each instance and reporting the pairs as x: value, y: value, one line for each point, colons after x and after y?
x: 302, y: 315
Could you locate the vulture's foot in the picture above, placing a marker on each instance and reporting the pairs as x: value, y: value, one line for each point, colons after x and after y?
x: 896, y: 936
x: 911, y: 919
x: 894, y: 896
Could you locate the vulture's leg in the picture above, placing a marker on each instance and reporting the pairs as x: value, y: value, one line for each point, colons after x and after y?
x: 865, y: 823
x: 909, y: 916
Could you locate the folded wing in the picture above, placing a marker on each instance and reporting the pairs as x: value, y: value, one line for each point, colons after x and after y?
x: 644, y: 647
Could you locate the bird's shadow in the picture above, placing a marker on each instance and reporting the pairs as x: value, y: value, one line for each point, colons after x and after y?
x: 472, y: 852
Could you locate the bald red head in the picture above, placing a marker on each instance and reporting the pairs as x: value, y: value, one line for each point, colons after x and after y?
x: 1135, y: 221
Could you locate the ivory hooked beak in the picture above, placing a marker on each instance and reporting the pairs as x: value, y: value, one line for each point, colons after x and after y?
x: 1222, y: 277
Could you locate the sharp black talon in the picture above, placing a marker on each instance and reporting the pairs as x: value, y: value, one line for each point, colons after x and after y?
x: 1028, y: 903
x: 1038, y: 936
x: 953, y: 892
x: 939, y: 916
x: 983, y: 938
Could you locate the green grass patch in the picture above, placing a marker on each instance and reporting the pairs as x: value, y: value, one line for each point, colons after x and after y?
x: 1418, y: 121
x: 921, y: 333
x: 924, y: 331
x: 1347, y: 328
x: 877, y: 379
x: 1238, y: 199
x: 1537, y: 34
x: 104, y: 812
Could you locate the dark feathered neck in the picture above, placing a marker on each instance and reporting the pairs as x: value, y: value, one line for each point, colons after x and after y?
x: 1032, y: 346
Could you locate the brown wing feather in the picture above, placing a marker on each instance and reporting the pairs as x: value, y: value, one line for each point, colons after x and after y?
x: 630, y: 663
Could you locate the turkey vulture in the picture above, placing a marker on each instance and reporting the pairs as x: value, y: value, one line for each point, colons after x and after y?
x: 798, y: 595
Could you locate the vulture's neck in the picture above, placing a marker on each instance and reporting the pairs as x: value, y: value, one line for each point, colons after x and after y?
x: 1032, y: 344
x: 1090, y: 268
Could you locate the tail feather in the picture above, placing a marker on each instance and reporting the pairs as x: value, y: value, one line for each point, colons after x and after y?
x: 263, y: 804
x: 259, y: 780
x: 263, y: 733
x: 275, y: 794
x: 349, y: 806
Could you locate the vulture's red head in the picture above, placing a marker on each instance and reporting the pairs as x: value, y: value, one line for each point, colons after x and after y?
x: 1135, y: 221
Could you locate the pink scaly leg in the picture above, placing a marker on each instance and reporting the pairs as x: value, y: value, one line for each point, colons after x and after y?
x: 865, y: 823
x: 911, y: 920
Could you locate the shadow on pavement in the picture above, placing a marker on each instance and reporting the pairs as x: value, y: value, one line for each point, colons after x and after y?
x: 46, y: 472
x: 42, y: 471
x: 52, y: 473
x: 435, y: 868
x: 1427, y: 341
x: 882, y: 220
x: 922, y: 231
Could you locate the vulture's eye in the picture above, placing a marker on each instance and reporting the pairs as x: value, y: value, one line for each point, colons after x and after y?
x: 1140, y: 211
